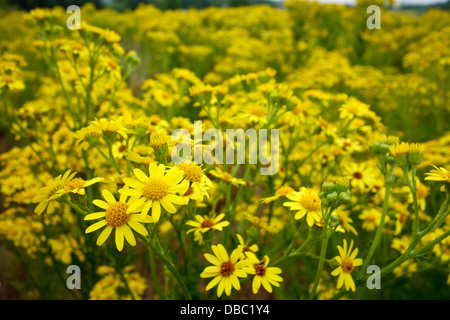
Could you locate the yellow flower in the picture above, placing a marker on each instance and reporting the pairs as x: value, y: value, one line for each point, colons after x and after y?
x: 371, y: 218
x: 267, y: 276
x: 111, y: 128
x: 354, y: 108
x: 226, y: 177
x: 345, y: 222
x: 438, y: 174
x: 308, y: 203
x: 11, y: 83
x: 88, y: 136
x: 245, y: 248
x: 199, y: 182
x: 407, y: 154
x: 362, y: 175
x: 225, y: 270
x: 347, y: 262
x: 47, y: 195
x: 205, y: 224
x: 158, y: 139
x: 158, y: 189
x: 77, y: 185
x: 119, y: 215
x: 401, y: 244
x: 283, y: 191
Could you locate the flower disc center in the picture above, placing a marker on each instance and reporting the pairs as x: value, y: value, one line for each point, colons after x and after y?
x: 154, y: 188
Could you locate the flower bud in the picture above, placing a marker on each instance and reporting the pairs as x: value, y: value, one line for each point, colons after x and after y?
x: 344, y: 197
x: 400, y: 154
x: 415, y: 154
x: 334, y: 221
x: 158, y: 142
x: 328, y: 187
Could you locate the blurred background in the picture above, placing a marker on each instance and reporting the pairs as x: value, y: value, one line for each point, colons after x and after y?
x: 121, y: 5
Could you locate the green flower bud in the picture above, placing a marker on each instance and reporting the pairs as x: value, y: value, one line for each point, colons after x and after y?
x: 334, y: 221
x: 328, y: 187
x: 333, y: 198
x: 342, y: 185
x: 344, y: 197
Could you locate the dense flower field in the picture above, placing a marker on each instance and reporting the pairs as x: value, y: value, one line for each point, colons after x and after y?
x: 355, y: 206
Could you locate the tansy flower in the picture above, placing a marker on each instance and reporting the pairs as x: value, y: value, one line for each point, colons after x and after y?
x: 111, y: 128
x: 345, y: 221
x: 226, y: 177
x: 46, y: 195
x: 371, y: 218
x: 267, y: 276
x: 77, y: 185
x: 283, y: 191
x: 438, y: 174
x: 119, y: 215
x: 245, y: 248
x: 205, y: 224
x: 354, y: 108
x: 347, y: 262
x: 158, y: 189
x: 307, y: 202
x: 225, y: 270
x: 407, y: 153
x: 401, y: 244
x: 11, y: 83
x: 88, y: 136
x: 199, y: 183
x: 363, y: 176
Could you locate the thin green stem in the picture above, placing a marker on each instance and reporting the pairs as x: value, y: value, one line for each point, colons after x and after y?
x: 379, y: 231
x: 323, y: 250
x: 151, y: 256
x: 150, y: 243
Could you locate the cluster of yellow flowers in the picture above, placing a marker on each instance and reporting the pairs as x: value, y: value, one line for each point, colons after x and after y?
x: 88, y: 175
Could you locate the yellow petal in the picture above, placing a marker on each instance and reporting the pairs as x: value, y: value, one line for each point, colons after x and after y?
x: 104, y: 235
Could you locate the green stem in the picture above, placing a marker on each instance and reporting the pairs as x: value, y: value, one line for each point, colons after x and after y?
x: 379, y: 231
x: 156, y: 249
x: 323, y: 250
x: 291, y: 246
x: 413, y: 189
x: 154, y: 275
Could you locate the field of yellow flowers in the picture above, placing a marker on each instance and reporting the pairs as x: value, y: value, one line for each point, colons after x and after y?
x: 94, y: 205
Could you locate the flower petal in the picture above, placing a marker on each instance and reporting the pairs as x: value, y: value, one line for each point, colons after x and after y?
x: 96, y: 226
x: 104, y: 235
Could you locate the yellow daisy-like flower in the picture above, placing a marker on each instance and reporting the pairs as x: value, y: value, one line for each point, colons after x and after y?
x: 119, y: 215
x: 363, y: 176
x: 77, y: 185
x: 371, y: 218
x: 47, y: 195
x: 111, y: 127
x: 267, y: 276
x: 88, y: 136
x: 283, y: 191
x: 225, y: 270
x: 158, y: 189
x: 226, y: 177
x: 308, y: 203
x: 347, y: 262
x: 205, y: 224
x: 438, y: 174
x: 199, y: 182
x: 245, y: 248
x: 354, y: 108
